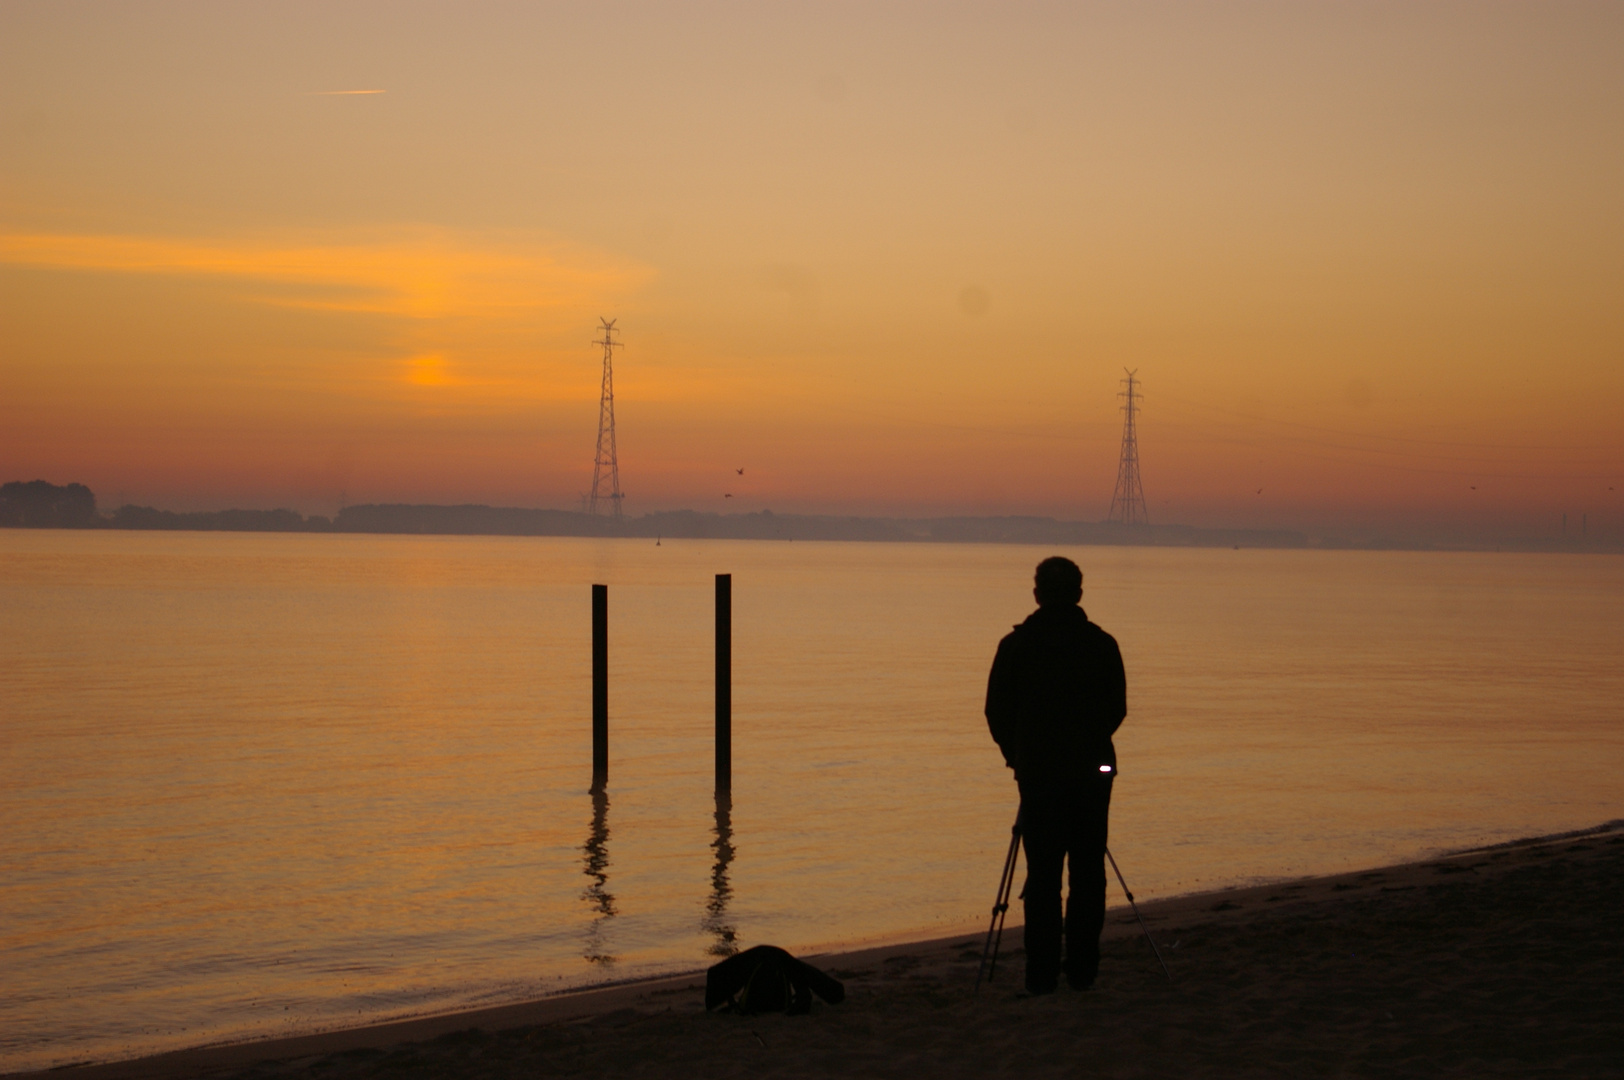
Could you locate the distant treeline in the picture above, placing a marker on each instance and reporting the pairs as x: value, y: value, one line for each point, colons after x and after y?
x: 145, y: 517
x: 38, y: 505
x: 766, y: 525
x: 42, y: 505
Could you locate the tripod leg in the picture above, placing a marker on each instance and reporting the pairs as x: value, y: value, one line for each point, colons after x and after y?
x: 999, y: 908
x: 1138, y: 916
x: 1008, y: 886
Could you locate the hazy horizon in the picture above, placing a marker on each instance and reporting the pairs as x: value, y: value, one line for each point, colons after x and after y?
x: 888, y: 261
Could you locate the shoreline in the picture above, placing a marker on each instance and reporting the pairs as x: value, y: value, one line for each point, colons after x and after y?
x: 943, y: 961
x: 433, y: 520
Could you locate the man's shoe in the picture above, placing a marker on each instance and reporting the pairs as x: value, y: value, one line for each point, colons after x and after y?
x: 1077, y: 982
x: 1030, y: 991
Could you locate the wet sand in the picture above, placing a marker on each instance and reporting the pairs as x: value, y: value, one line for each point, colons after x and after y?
x: 1504, y: 961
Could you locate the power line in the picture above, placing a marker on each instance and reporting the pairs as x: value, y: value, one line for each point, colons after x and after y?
x: 1363, y: 434
x: 1275, y: 448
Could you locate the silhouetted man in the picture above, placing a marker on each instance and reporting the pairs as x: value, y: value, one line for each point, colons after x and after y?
x: 1055, y: 697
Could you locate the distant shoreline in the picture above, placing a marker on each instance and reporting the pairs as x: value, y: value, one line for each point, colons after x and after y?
x: 42, y: 505
x: 478, y: 520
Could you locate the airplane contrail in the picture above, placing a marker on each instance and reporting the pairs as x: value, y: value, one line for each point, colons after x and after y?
x: 334, y: 93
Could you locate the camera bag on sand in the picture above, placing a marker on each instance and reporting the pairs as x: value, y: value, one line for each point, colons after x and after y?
x: 766, y: 979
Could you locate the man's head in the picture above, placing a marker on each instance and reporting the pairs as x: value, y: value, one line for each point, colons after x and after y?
x: 1058, y: 582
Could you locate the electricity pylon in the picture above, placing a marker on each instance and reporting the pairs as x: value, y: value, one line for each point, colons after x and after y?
x: 605, y: 465
x: 1128, y: 501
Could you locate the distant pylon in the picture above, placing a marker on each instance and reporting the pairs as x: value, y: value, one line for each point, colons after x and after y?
x: 605, y: 465
x: 1128, y: 501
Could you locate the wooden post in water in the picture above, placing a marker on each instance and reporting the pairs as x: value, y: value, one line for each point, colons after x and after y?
x: 600, y: 686
x: 724, y: 682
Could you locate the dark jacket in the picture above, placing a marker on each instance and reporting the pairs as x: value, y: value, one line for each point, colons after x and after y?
x: 1055, y: 697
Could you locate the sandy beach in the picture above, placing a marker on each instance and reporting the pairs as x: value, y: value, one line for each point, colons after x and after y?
x: 1502, y: 961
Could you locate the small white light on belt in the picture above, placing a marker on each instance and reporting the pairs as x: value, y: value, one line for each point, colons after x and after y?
x: 1105, y: 768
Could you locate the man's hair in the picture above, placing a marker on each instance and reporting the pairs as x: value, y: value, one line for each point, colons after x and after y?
x: 1058, y: 582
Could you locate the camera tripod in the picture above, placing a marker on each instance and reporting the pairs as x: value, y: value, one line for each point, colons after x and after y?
x: 1000, y: 908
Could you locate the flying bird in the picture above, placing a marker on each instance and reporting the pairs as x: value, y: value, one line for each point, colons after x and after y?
x: 1260, y: 491
x: 739, y: 471
x: 729, y: 495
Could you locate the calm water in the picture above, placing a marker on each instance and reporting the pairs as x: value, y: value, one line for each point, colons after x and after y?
x: 258, y: 784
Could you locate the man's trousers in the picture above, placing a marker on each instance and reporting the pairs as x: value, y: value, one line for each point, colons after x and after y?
x: 1060, y: 825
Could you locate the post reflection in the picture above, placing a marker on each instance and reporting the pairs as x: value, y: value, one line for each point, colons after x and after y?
x: 597, y: 894
x: 716, y: 920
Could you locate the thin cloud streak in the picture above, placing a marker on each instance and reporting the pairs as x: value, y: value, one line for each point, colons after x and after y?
x: 460, y: 311
x: 417, y: 273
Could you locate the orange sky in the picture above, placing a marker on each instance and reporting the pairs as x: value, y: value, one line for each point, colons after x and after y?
x: 1366, y: 258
